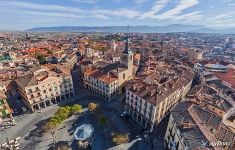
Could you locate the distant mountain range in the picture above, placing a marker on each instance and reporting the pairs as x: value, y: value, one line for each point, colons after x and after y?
x: 140, y: 29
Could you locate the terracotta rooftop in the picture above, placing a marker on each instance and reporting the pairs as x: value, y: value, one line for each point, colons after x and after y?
x: 155, y: 88
x: 228, y: 77
x: 107, y: 77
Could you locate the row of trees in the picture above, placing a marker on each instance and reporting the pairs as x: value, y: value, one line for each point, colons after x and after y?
x: 62, y: 114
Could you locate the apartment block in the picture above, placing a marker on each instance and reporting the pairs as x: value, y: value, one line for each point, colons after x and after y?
x: 48, y: 85
x: 150, y: 97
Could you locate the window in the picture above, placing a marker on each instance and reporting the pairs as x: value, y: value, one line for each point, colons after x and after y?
x: 30, y: 91
x: 124, y: 75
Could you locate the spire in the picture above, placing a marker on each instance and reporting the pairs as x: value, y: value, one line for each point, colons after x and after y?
x: 126, y: 50
x: 161, y: 44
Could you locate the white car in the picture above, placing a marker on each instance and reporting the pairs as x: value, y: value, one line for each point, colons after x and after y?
x: 124, y: 114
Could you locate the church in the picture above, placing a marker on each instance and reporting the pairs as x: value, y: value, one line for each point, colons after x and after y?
x: 111, y: 79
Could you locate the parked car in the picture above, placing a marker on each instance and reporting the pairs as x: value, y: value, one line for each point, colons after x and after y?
x: 124, y: 115
x: 18, y: 101
x: 16, y: 111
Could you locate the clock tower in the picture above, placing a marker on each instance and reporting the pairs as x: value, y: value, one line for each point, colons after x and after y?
x: 127, y: 56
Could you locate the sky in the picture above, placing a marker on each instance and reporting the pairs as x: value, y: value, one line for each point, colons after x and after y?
x: 25, y: 14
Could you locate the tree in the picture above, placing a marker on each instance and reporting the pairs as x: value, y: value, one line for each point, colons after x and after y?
x: 62, y: 114
x: 41, y: 59
x: 119, y: 138
x: 56, y: 119
x: 65, y: 110
x: 76, y: 108
x: 92, y: 106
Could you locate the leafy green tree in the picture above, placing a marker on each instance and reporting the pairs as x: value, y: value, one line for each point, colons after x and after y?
x: 64, y: 116
x: 57, y: 119
x: 41, y: 59
x: 92, y: 106
x: 76, y: 108
x: 65, y: 110
x: 119, y: 138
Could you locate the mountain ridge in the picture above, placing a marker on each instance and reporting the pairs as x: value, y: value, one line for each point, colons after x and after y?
x: 138, y: 28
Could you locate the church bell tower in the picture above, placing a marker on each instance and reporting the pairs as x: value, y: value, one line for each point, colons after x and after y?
x: 127, y: 55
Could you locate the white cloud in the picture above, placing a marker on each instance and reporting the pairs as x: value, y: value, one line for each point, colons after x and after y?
x: 175, y: 13
x: 158, y: 5
x: 140, y: 1
x: 221, y: 20
x: 121, y: 12
x: 53, y: 15
x: 183, y: 4
x: 101, y: 16
x: 226, y: 1
x: 41, y: 7
x: 193, y: 16
x: 58, y: 10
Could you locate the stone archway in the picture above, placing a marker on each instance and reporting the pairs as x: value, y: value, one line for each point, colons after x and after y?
x: 35, y: 107
x: 143, y: 123
x: 48, y: 103
x: 71, y: 94
x: 42, y: 105
x: 63, y: 97
x: 149, y: 126
x: 53, y: 100
x: 135, y: 116
x: 66, y: 95
x: 58, y: 99
x: 139, y: 118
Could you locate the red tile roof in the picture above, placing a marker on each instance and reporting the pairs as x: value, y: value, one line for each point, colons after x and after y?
x: 228, y: 77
